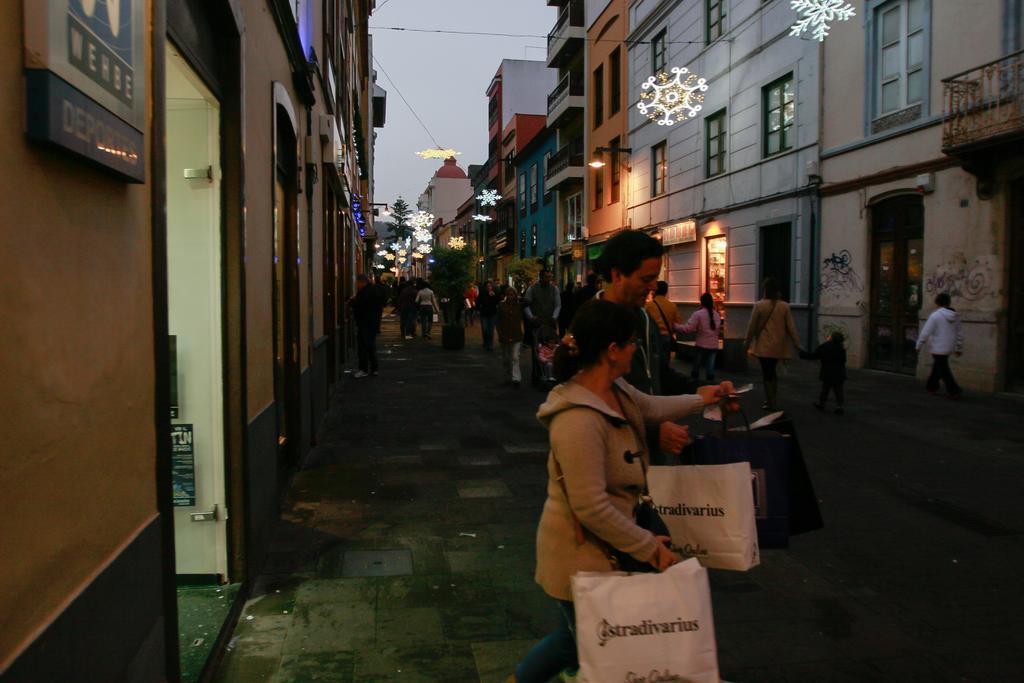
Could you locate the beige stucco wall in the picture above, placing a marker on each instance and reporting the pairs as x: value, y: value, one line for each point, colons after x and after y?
x: 964, y: 236
x: 76, y: 399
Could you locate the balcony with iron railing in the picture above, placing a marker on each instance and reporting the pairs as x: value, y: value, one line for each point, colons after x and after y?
x: 568, y: 34
x: 566, y: 164
x: 984, y: 106
x: 566, y: 97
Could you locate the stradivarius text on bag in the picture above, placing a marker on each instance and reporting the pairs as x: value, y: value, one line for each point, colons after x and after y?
x: 607, y: 631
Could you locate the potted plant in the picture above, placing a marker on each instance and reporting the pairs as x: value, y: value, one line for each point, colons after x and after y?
x: 450, y: 276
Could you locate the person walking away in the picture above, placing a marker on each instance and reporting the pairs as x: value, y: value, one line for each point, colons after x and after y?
x: 568, y: 308
x: 383, y: 293
x: 487, y: 305
x: 586, y: 292
x: 944, y: 335
x: 665, y: 315
x: 707, y: 324
x: 833, y: 370
x: 366, y: 312
x: 426, y: 304
x: 630, y: 264
x: 510, y: 335
x: 593, y: 417
x: 471, y: 296
x: 407, y: 310
x: 771, y: 335
x: 542, y: 302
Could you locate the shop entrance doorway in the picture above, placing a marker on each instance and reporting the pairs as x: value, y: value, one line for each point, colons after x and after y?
x: 897, y: 248
x: 195, y: 320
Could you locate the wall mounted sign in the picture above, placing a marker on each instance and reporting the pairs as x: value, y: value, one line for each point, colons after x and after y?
x: 183, y: 466
x: 680, y: 233
x: 86, y: 79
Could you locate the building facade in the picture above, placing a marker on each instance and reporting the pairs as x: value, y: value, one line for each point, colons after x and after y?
x: 188, y: 267
x: 607, y: 123
x: 731, y: 190
x: 535, y: 203
x: 922, y: 184
x: 565, y: 106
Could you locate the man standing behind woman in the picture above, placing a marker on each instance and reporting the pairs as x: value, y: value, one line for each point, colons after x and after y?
x: 771, y: 336
x: 510, y: 335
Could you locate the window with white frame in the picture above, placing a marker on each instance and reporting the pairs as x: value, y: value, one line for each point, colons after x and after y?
x: 533, y: 187
x: 659, y: 169
x: 573, y: 216
x: 522, y: 194
x: 543, y: 178
x: 658, y: 52
x: 900, y: 55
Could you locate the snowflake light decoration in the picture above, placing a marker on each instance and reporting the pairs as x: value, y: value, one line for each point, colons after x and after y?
x: 481, y: 217
x: 422, y: 219
x: 389, y: 257
x: 423, y: 249
x: 816, y: 15
x: 403, y: 252
x: 437, y: 153
x: 395, y: 246
x: 457, y: 243
x: 422, y: 235
x: 418, y: 255
x: 488, y: 198
x: 672, y: 98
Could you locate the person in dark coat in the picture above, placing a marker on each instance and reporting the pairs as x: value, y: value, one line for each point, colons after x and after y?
x: 586, y: 292
x: 366, y: 310
x: 833, y: 369
x: 568, y: 309
x: 487, y: 306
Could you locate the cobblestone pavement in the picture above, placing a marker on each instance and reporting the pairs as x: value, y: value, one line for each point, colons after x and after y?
x: 405, y: 550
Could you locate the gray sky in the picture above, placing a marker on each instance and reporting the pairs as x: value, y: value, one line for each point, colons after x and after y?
x: 444, y: 77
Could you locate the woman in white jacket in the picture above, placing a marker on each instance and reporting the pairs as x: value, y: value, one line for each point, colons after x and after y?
x: 945, y: 336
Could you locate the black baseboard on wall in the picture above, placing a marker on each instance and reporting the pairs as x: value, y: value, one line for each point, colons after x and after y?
x: 113, y: 631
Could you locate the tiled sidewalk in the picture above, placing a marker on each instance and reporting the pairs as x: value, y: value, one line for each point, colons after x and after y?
x: 406, y: 550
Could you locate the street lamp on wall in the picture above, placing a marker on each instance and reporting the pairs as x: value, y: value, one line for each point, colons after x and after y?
x: 386, y: 211
x: 598, y: 159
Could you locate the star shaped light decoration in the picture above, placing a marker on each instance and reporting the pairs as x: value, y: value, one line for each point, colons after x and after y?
x: 481, y: 217
x: 670, y: 99
x: 389, y: 257
x: 816, y: 15
x: 422, y: 220
x: 457, y: 243
x: 488, y: 198
x: 437, y: 153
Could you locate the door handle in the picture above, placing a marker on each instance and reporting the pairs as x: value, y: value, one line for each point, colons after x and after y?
x: 217, y: 514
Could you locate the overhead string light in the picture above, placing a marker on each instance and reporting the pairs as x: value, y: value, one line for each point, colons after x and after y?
x: 524, y: 35
x: 437, y: 151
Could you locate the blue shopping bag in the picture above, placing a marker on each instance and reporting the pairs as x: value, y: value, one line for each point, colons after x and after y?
x: 769, y: 454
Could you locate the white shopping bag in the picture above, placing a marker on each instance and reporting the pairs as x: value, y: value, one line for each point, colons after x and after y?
x: 709, y: 512
x: 645, y: 627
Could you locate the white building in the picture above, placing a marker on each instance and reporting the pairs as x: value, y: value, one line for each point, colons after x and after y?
x: 923, y: 183
x: 447, y: 190
x: 731, y: 190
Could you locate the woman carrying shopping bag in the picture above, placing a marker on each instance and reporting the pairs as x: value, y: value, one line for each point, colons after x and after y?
x: 771, y: 336
x: 596, y: 469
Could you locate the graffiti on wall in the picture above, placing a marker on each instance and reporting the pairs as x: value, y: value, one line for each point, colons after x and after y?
x: 962, y: 280
x: 839, y: 275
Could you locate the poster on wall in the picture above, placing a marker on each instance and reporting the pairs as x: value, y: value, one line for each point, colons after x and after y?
x: 183, y: 465
x: 86, y: 80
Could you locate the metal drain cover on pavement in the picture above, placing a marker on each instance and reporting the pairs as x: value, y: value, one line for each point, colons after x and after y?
x: 377, y: 563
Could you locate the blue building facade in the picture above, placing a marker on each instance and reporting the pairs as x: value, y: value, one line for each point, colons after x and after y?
x: 535, y: 204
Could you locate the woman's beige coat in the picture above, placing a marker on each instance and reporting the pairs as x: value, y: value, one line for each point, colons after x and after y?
x: 590, y: 442
x: 772, y: 334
